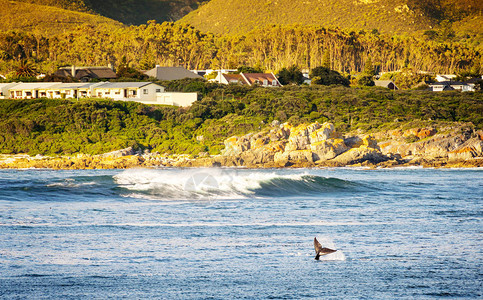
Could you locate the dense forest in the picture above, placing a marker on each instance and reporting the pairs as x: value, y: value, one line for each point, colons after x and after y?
x: 46, y: 126
x: 270, y: 48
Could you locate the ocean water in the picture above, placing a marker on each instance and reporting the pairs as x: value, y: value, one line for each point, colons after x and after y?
x: 244, y: 234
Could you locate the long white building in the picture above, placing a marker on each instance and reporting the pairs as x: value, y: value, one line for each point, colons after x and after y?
x: 144, y: 92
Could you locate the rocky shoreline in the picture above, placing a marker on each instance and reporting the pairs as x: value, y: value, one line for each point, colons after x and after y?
x: 305, y: 146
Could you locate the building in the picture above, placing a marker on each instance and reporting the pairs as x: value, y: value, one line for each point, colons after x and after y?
x: 210, y: 71
x: 171, y: 73
x: 262, y: 79
x: 450, y: 86
x: 30, y: 90
x: 86, y: 74
x: 386, y: 84
x: 143, y: 92
x: 4, y: 88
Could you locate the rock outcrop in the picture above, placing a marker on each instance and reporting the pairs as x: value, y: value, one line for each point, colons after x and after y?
x: 306, y: 145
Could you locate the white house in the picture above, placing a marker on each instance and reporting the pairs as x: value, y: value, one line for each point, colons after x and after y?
x: 451, y: 85
x: 144, y: 92
x: 30, y: 90
x: 261, y: 79
x: 72, y: 90
x: 4, y: 87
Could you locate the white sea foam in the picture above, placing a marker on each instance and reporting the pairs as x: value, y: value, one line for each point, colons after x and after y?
x: 195, y: 184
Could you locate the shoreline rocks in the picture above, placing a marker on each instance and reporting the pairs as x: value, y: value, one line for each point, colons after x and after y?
x: 306, y: 145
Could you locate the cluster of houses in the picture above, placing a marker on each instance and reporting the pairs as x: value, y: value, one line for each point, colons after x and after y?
x: 152, y: 93
x: 144, y: 92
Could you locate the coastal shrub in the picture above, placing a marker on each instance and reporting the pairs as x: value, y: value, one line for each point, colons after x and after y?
x: 51, y: 127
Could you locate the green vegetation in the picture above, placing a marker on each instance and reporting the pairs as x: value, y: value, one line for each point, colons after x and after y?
x: 95, y: 126
x: 270, y: 49
x: 326, y: 76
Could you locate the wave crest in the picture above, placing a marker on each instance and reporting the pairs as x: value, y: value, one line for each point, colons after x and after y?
x: 171, y: 184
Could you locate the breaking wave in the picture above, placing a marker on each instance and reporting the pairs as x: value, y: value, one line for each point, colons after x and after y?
x: 174, y: 184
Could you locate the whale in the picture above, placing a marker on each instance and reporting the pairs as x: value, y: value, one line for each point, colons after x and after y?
x: 319, y: 250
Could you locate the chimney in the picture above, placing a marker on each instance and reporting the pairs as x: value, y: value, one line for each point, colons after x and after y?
x: 73, y: 71
x: 111, y: 66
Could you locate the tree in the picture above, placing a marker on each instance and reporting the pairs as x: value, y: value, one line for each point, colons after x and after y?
x: 326, y: 59
x: 325, y: 76
x: 246, y: 69
x: 291, y: 75
x: 369, y: 68
x: 365, y: 80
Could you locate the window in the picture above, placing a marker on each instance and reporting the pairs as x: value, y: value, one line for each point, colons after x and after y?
x: 265, y: 82
x: 67, y: 92
x: 57, y: 92
x: 107, y: 92
x: 274, y: 82
x: 117, y: 93
x: 18, y: 93
x: 158, y: 90
x: 134, y: 93
x: 145, y: 91
x: 28, y: 94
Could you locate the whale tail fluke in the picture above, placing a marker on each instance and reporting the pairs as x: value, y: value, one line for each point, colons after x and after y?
x: 319, y: 250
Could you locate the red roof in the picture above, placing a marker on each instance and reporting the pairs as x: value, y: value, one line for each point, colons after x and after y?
x: 261, y: 78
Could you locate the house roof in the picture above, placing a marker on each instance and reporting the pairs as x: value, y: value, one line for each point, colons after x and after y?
x: 9, y: 84
x: 252, y: 78
x: 234, y: 77
x: 385, y: 83
x: 34, y: 85
x: 91, y: 72
x: 71, y: 86
x: 171, y: 73
x: 124, y: 85
x: 450, y: 83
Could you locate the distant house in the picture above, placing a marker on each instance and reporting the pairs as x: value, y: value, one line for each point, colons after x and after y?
x: 450, y: 86
x: 230, y: 78
x: 209, y: 71
x: 4, y: 88
x: 386, y: 84
x: 86, y: 74
x: 30, y: 90
x: 170, y: 73
x: 144, y: 92
x: 262, y: 79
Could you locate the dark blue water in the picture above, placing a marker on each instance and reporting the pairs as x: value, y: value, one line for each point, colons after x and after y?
x: 221, y: 234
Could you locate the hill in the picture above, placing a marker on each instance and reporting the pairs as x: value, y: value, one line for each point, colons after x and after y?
x: 400, y: 16
x: 47, y: 20
x: 128, y: 11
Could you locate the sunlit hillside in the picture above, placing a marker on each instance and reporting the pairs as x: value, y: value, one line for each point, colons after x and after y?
x: 47, y: 20
x: 397, y: 16
x: 128, y: 11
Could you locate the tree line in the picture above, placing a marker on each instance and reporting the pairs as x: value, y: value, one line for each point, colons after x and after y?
x: 271, y: 48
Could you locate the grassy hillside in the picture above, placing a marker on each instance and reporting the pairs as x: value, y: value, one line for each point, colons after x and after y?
x: 128, y: 11
x: 398, y: 16
x: 48, y: 20
x: 95, y: 126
